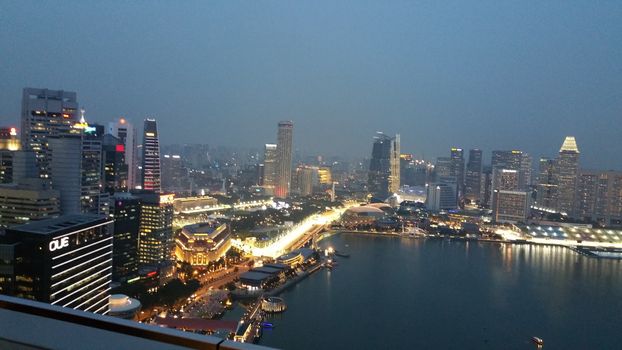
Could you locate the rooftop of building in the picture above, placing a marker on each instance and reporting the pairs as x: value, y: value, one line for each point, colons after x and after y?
x: 60, y: 224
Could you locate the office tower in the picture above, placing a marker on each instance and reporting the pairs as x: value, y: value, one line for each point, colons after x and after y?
x: 510, y: 206
x: 567, y: 169
x: 457, y: 168
x: 486, y: 186
x: 156, y: 228
x: 442, y: 170
x: 383, y: 176
x: 284, y: 159
x: 125, y: 132
x: 269, y: 165
x: 505, y: 180
x: 65, y: 261
x: 507, y: 159
x: 151, y: 157
x: 441, y: 196
x: 524, y: 176
x: 174, y: 174
x: 115, y: 168
x: 407, y: 170
x: 65, y: 170
x: 46, y: 113
x: 599, y: 197
x: 125, y: 211
x: 307, y: 179
x: 546, y: 188
x: 91, y: 198
x: 26, y: 200
x: 473, y: 176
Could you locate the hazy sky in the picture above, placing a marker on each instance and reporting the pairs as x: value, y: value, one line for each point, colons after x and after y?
x: 493, y: 75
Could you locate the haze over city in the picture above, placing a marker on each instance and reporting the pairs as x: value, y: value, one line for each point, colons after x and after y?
x: 470, y: 74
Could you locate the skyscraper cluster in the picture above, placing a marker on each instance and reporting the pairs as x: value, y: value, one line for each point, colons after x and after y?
x: 276, y: 170
x: 61, y: 189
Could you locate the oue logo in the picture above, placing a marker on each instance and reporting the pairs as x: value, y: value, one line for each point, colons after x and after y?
x: 59, y: 243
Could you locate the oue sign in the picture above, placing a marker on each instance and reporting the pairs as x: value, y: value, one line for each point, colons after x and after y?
x: 59, y: 243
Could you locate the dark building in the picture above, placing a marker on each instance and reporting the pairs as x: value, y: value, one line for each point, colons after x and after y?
x: 66, y: 261
x: 457, y: 168
x: 126, y: 214
x: 115, y: 168
x: 383, y: 178
x: 473, y: 175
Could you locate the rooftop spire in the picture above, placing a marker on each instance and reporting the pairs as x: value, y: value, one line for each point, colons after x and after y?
x: 569, y: 145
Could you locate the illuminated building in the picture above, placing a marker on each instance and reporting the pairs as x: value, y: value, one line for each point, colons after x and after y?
x: 125, y: 132
x: 510, y: 206
x: 156, y: 228
x: 384, y: 167
x: 325, y: 175
x: 189, y: 204
x: 599, y: 197
x: 284, y: 159
x: 125, y: 210
x: 566, y: 172
x: 202, y: 243
x: 307, y: 179
x: 92, y: 199
x: 29, y: 199
x: 17, y: 165
x: 546, y: 188
x: 514, y: 160
x: 486, y: 186
x: 115, y: 169
x: 269, y: 165
x: 65, y: 261
x: 46, y: 113
x: 9, y: 140
x: 472, y: 179
x: 122, y: 306
x: 151, y: 157
x: 457, y: 168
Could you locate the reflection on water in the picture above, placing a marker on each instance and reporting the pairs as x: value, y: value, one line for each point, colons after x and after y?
x: 432, y: 293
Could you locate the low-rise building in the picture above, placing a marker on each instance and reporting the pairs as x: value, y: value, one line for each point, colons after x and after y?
x: 199, y: 244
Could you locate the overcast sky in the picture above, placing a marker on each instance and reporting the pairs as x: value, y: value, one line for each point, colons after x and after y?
x: 493, y: 75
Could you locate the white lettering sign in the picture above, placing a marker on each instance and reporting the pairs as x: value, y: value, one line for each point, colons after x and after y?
x: 59, y: 243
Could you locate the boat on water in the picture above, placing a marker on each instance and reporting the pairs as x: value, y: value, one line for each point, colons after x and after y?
x: 537, y: 341
x: 342, y: 254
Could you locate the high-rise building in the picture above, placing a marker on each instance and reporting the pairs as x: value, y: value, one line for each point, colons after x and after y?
x: 599, y: 197
x: 28, y: 199
x: 46, y: 113
x: 473, y: 176
x: 92, y: 199
x: 567, y: 170
x: 151, y: 157
x: 325, y: 175
x: 441, y: 196
x: 457, y: 168
x: 125, y: 132
x: 17, y: 165
x: 547, y: 187
x: 307, y: 179
x: 510, y: 206
x: 115, y: 169
x: 125, y: 211
x: 384, y: 166
x: 66, y: 261
x: 486, y: 186
x: 174, y: 174
x: 269, y: 165
x: 524, y: 176
x: 64, y: 154
x: 284, y: 159
x: 156, y: 228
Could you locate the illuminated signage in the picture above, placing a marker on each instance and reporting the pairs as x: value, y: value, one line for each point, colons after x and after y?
x: 120, y: 148
x: 59, y: 244
x: 150, y: 134
x: 13, y: 132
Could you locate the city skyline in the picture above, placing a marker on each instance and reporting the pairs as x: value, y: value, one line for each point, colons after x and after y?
x: 412, y: 75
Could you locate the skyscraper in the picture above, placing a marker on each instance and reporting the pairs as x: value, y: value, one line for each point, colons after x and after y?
x: 457, y: 168
x: 151, y: 157
x: 64, y: 154
x: 125, y: 132
x: 546, y: 188
x: 125, y: 211
x: 46, y: 113
x: 115, y: 169
x: 473, y: 175
x: 284, y: 159
x: 156, y: 228
x: 567, y: 170
x: 384, y: 166
x: 269, y: 165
